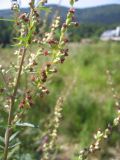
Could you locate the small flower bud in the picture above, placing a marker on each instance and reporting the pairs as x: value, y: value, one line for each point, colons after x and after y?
x: 46, y: 53
x: 72, y: 10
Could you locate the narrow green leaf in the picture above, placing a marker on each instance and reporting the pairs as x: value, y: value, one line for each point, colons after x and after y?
x: 14, y: 145
x: 26, y: 125
x: 14, y: 135
x: 13, y: 151
x: 9, y: 20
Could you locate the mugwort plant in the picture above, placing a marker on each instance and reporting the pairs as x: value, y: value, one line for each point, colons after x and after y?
x: 16, y: 98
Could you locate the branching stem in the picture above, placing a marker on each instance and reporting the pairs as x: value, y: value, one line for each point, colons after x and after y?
x: 11, y: 110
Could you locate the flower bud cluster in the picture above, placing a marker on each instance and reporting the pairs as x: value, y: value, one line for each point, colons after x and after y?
x: 42, y: 2
x: 46, y: 70
x: 49, y: 46
x: 24, y: 18
x: 48, y: 147
x: 116, y: 98
x: 43, y: 90
x: 27, y: 101
x: 56, y: 122
x: 52, y: 47
x: 114, y: 92
x: 54, y: 26
x: 99, y: 137
x: 62, y: 52
x: 34, y: 15
x: 15, y: 6
x: 65, y: 26
x: 117, y: 119
x: 18, y: 53
x: 32, y: 62
x: 22, y: 23
x: 60, y: 57
x: 27, y: 24
x: 58, y: 46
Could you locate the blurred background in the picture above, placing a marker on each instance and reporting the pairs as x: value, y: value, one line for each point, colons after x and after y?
x: 94, y: 48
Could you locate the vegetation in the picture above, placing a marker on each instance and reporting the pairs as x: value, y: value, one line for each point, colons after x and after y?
x: 92, y: 24
x: 76, y: 34
x: 89, y: 99
x: 101, y: 14
x: 6, y: 33
x: 31, y: 127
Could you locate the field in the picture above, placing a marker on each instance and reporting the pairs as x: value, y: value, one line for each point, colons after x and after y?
x: 89, y: 103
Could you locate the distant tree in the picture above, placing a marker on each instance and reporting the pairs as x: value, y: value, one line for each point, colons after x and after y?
x: 5, y: 33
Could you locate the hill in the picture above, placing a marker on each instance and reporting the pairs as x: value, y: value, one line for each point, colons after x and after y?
x: 108, y: 14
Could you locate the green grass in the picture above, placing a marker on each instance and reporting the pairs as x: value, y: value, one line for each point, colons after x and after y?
x: 90, y: 104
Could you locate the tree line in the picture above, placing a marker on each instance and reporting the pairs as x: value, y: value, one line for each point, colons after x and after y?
x: 74, y: 34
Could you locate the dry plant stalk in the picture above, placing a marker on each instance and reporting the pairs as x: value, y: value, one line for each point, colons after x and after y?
x: 49, y: 145
x: 52, y: 135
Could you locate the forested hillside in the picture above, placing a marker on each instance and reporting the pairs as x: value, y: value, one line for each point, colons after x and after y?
x: 93, y: 21
x: 108, y: 14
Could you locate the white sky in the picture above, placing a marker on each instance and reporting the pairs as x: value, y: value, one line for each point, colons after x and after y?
x: 80, y: 4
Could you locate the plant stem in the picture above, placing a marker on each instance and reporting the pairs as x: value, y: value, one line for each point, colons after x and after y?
x: 10, y: 116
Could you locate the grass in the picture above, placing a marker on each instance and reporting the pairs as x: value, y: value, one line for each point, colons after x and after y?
x: 89, y: 105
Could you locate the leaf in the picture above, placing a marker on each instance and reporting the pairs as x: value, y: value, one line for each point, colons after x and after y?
x: 13, y: 151
x: 1, y: 139
x: 10, y: 20
x: 23, y: 39
x: 25, y: 124
x: 14, y: 145
x: 14, y: 135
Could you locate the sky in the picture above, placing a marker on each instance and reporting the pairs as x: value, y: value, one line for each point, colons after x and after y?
x: 80, y: 4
